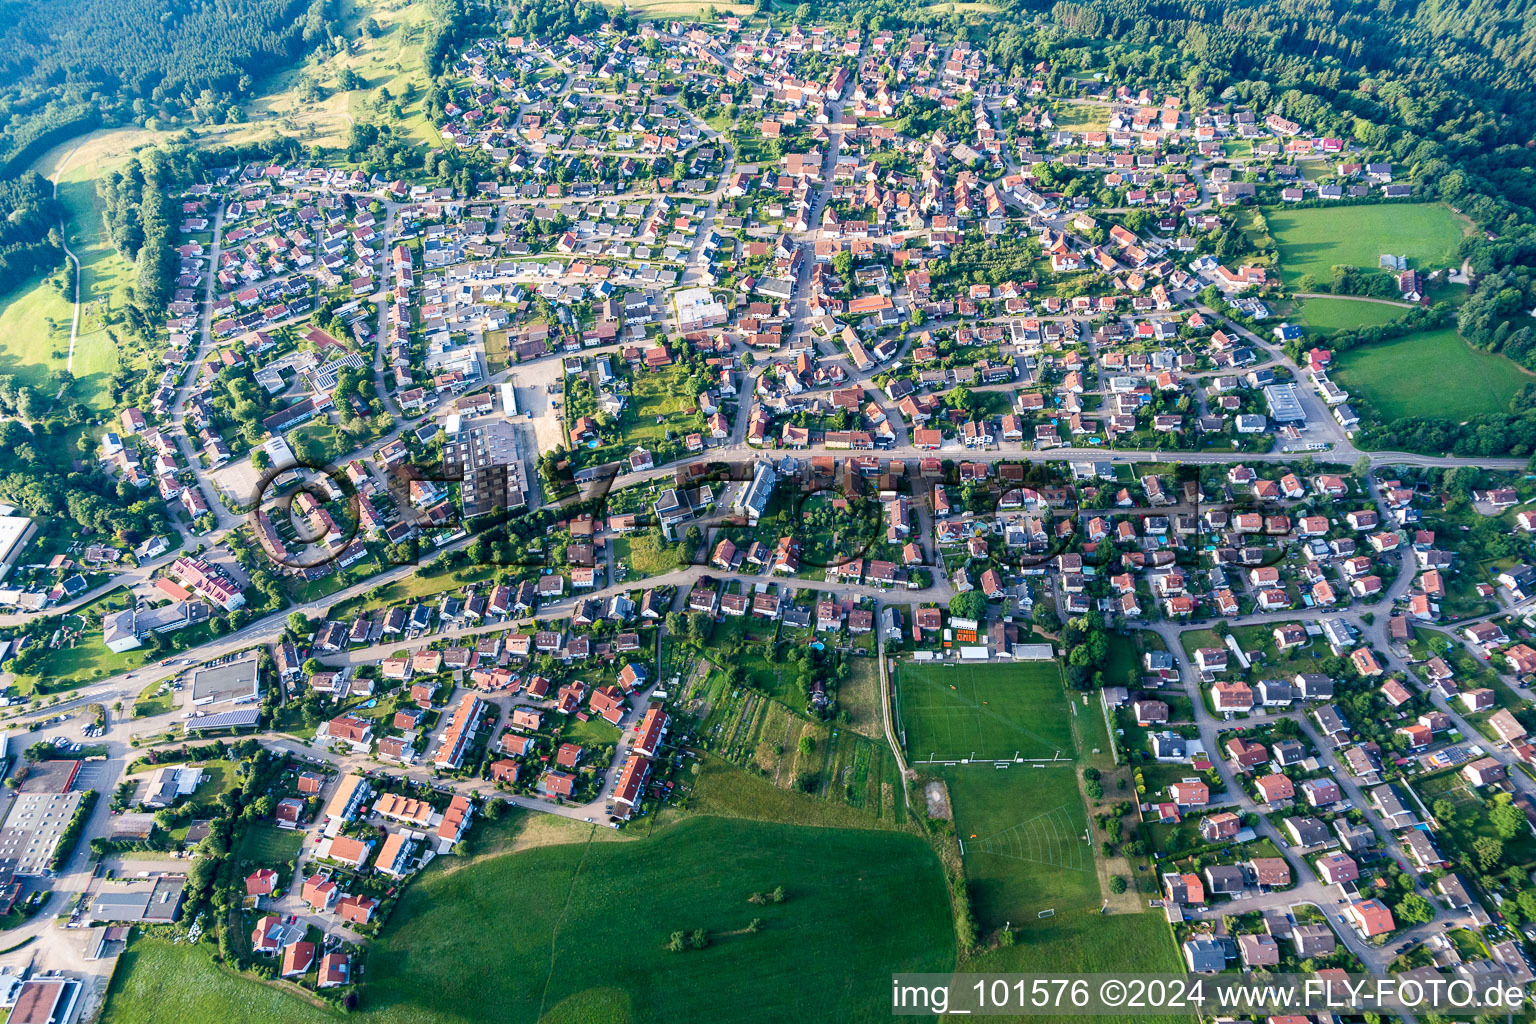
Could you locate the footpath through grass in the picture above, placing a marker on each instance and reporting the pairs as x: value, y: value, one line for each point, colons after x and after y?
x: 35, y: 318
x: 1322, y: 317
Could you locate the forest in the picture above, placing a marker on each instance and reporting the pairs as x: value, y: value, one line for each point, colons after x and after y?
x: 29, y: 220
x: 67, y: 66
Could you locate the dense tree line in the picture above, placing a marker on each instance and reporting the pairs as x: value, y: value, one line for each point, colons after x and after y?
x: 559, y: 18
x: 452, y: 23
x: 142, y: 220
x: 29, y: 218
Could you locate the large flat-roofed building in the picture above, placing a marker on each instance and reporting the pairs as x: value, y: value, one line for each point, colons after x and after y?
x: 148, y: 900
x: 485, y: 459
x: 49, y: 777
x: 697, y: 309
x: 45, y: 1001
x: 1284, y: 406
x: 15, y: 531
x: 33, y: 829
x: 233, y: 682
x: 234, y: 718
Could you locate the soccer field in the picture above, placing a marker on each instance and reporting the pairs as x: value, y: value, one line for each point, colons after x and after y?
x: 986, y: 712
x: 1022, y: 830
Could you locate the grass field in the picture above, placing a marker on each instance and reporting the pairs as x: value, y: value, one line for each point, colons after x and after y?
x: 1091, y: 943
x: 426, y: 583
x: 269, y: 844
x: 88, y: 659
x: 729, y: 791
x: 218, y: 779
x: 105, y: 279
x: 1432, y: 373
x: 594, y: 732
x: 158, y: 981
x: 663, y: 394
x: 860, y: 697
x: 1025, y: 853
x: 849, y: 777
x: 1314, y: 241
x: 949, y: 712
x: 1085, y: 115
x: 34, y: 331
x: 35, y: 321
x: 98, y: 150
x: 1022, y: 829
x: 825, y: 953
x: 1125, y: 656
x: 646, y: 554
x: 155, y: 699
x: 1324, y: 316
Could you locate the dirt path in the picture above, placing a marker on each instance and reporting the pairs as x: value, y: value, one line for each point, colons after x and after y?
x: 1354, y: 298
x: 554, y: 934
x: 74, y: 326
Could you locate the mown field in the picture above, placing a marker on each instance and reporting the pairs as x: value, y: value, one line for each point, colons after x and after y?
x: 825, y: 953
x: 1322, y: 317
x: 1314, y: 241
x: 36, y: 318
x: 1022, y: 831
x: 578, y: 932
x: 86, y: 658
x: 157, y: 981
x: 949, y: 712
x: 1432, y: 373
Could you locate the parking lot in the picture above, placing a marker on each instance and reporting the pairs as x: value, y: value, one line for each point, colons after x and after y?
x: 92, y: 775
